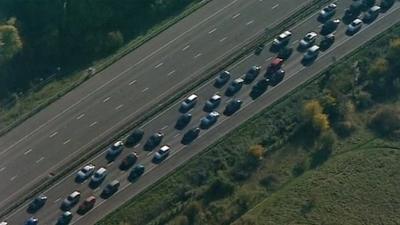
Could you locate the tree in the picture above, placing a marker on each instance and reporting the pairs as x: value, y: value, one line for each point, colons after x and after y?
x: 386, y: 121
x: 10, y: 42
x: 394, y: 54
x: 313, y: 112
x: 256, y: 151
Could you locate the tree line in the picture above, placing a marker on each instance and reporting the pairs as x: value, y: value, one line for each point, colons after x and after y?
x: 38, y: 36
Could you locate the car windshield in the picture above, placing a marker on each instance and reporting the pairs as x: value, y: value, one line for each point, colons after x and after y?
x: 97, y: 174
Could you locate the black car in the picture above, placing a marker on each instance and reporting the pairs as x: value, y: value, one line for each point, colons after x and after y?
x: 276, y: 77
x: 183, y: 121
x: 233, y: 106
x: 252, y: 74
x: 128, y: 161
x: 259, y: 88
x: 190, y: 135
x: 153, y: 141
x: 110, y: 189
x: 135, y: 137
x: 386, y: 4
x: 234, y: 87
x: 259, y: 49
x: 37, y: 204
x: 327, y: 42
x: 285, y: 53
x: 222, y: 79
x: 329, y: 26
x: 136, y: 172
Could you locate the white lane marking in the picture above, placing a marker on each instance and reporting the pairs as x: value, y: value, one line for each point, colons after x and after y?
x: 164, y: 127
x: 186, y: 47
x: 250, y: 22
x: 235, y: 16
x: 295, y: 42
x: 176, y: 135
x: 136, y: 146
x: 66, y: 142
x: 275, y: 6
x: 170, y: 73
x: 212, y: 31
x: 198, y: 55
x: 2, y: 169
x: 145, y: 89
x: 118, y: 107
x: 27, y: 151
x: 53, y: 134
x: 149, y: 153
x: 119, y: 75
x: 268, y: 59
x: 319, y: 26
x: 158, y: 65
x: 80, y: 116
x: 106, y: 99
x: 13, y: 178
x: 132, y: 82
x: 39, y: 160
x: 222, y: 39
x: 58, y: 199
x: 92, y: 124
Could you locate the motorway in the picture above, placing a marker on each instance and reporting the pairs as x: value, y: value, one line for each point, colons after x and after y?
x: 42, y: 145
x: 296, y: 75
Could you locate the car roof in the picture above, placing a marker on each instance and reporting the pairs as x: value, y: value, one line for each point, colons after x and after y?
x: 238, y: 80
x: 67, y: 213
x: 374, y: 8
x: 314, y: 48
x: 192, y: 97
x: 101, y: 170
x: 216, y: 97
x: 357, y: 21
x: 75, y: 193
x: 214, y: 113
x: 165, y: 148
x: 118, y: 143
x: 90, y: 198
x: 114, y: 182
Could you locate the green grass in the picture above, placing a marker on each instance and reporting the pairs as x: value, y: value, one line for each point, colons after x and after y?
x: 357, y: 187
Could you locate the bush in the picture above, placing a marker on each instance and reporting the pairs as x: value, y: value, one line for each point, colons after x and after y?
x: 192, y: 211
x: 219, y: 189
x: 386, y: 121
x: 324, y: 150
x: 313, y: 113
x: 298, y: 169
x: 344, y: 128
x: 270, y: 182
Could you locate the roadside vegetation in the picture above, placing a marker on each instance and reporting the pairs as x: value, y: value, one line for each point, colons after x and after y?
x: 334, y: 162
x: 55, y: 39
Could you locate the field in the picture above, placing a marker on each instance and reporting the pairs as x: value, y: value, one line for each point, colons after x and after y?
x: 334, y: 163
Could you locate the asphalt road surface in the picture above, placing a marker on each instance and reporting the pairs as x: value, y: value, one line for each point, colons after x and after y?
x: 296, y: 74
x: 130, y: 87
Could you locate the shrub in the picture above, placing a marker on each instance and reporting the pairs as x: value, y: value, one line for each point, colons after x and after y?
x: 270, y: 182
x: 385, y: 121
x: 219, y: 188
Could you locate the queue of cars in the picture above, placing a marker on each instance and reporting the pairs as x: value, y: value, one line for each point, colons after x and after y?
x: 273, y: 75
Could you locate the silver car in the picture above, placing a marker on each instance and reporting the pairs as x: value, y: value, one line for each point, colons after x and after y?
x: 85, y: 172
x: 354, y: 26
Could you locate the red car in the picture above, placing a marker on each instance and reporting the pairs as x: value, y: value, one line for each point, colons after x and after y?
x: 87, y: 205
x: 275, y: 65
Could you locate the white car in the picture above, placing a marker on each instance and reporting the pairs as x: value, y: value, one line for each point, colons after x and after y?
x: 282, y: 39
x: 354, y: 26
x: 308, y: 40
x: 162, y: 153
x: 85, y: 172
x: 328, y: 11
x: 3, y: 223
